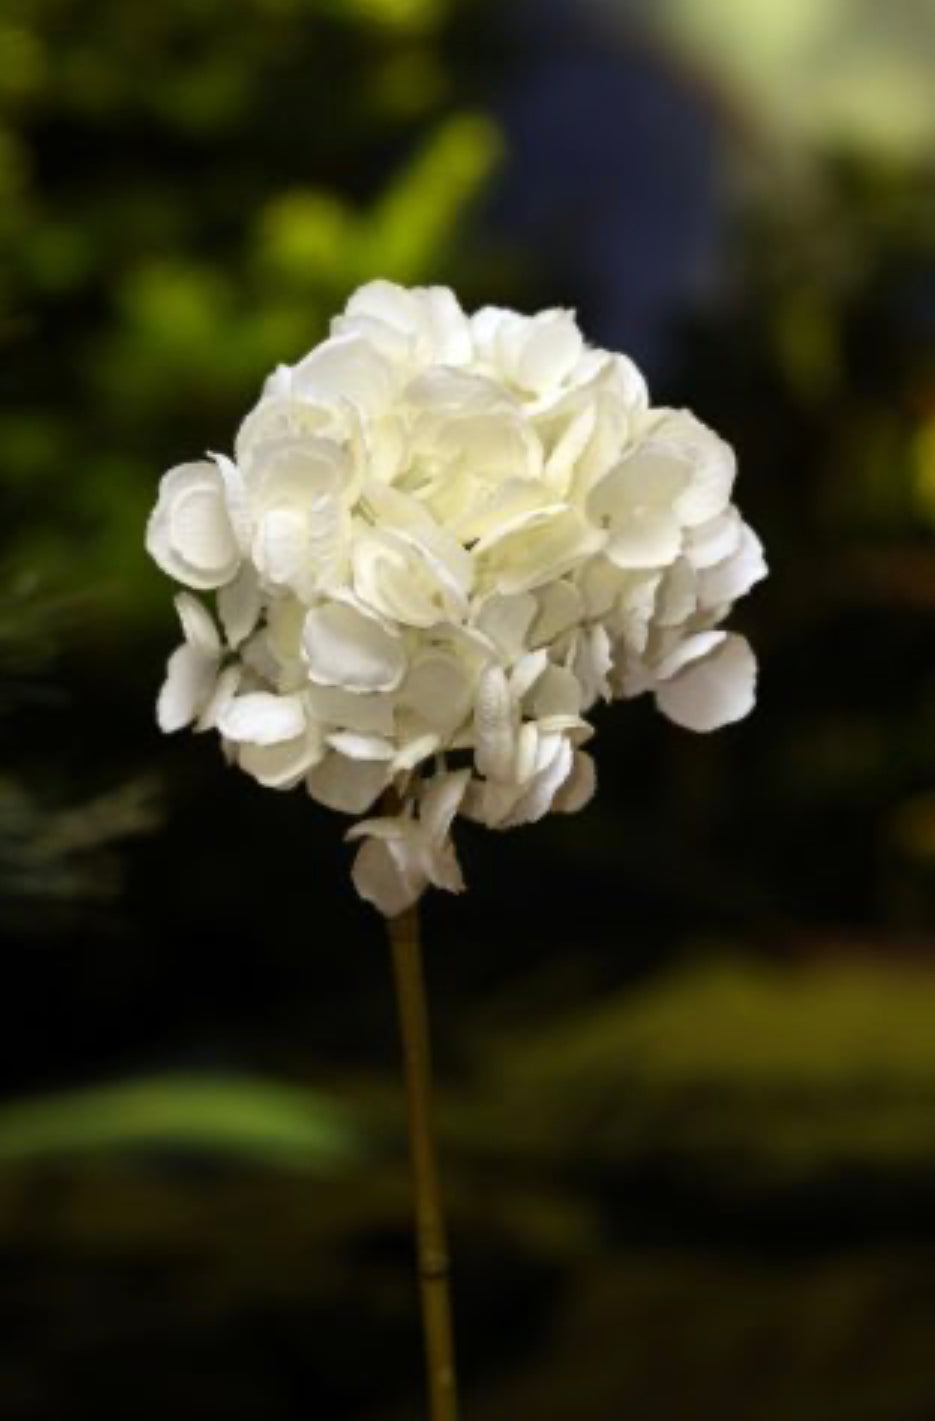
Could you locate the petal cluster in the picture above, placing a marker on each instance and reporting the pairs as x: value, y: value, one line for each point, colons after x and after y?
x: 440, y: 541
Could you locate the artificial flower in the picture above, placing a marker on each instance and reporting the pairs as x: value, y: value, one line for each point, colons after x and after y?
x: 441, y: 539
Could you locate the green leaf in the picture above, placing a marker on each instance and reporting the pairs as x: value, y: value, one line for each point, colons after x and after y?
x: 744, y: 1070
x: 246, y: 1116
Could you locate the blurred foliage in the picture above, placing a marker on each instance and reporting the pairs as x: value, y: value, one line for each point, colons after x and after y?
x: 51, y: 855
x: 671, y: 1202
x: 840, y: 1060
x: 833, y: 1338
x: 847, y: 72
x: 57, y: 850
x: 127, y: 343
x: 685, y: 1046
x: 253, y: 1119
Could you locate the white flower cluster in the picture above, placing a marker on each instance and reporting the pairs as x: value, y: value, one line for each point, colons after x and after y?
x: 442, y: 538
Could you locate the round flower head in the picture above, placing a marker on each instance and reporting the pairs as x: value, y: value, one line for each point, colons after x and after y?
x: 441, y: 539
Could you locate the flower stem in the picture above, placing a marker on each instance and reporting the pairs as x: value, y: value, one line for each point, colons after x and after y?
x: 432, y: 1248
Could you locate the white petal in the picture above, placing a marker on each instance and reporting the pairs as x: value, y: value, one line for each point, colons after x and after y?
x: 189, y: 532
x: 487, y: 327
x: 381, y: 880
x: 200, y: 529
x: 190, y: 679
x: 455, y: 392
x: 390, y: 827
x: 352, y: 710
x: 677, y: 597
x: 355, y: 746
x: 527, y: 671
x: 579, y: 788
x: 385, y: 301
x: 279, y: 381
x: 635, y: 607
x: 557, y: 692
x: 262, y: 719
x: 439, y: 803
x: 714, y: 691
x: 614, y: 432
x: 224, y: 692
x: 277, y: 417
x: 488, y: 509
x: 259, y: 656
x: 490, y: 802
x: 310, y: 478
x: 198, y: 625
x: 410, y: 521
x: 536, y: 801
x: 711, y: 542
x: 439, y: 691
x: 649, y: 479
x: 574, y: 438
x: 432, y: 313
x: 601, y: 584
x: 413, y: 752
x: 714, y: 466
x: 281, y: 766
x: 416, y: 576
x: 627, y: 382
x: 540, y: 546
x: 560, y: 607
x: 521, y: 522
x: 285, y: 618
x: 235, y: 498
x: 396, y: 345
x: 550, y: 348
x: 281, y: 545
x: 506, y: 621
x: 686, y: 650
x: 592, y: 662
x: 308, y: 470
x: 450, y: 328
x: 646, y: 539
x: 385, y: 581
x: 350, y: 786
x: 632, y: 677
x: 239, y: 606
x: 345, y: 648
x: 549, y: 749
x: 734, y: 577
x: 495, y: 725
x: 575, y: 730
x: 527, y: 752
x: 443, y: 868
x: 346, y: 368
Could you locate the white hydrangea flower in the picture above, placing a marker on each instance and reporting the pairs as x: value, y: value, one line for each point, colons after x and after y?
x: 441, y: 539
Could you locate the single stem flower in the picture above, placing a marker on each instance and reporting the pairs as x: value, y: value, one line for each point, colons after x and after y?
x: 441, y: 540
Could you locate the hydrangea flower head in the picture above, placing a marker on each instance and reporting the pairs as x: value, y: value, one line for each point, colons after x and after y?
x: 441, y: 539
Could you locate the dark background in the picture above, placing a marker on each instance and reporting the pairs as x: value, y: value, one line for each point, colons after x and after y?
x: 686, y: 1040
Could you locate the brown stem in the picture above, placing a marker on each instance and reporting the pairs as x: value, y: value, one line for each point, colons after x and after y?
x: 432, y: 1248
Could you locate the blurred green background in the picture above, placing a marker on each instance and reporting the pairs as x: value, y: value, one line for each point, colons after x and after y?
x: 686, y: 1040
